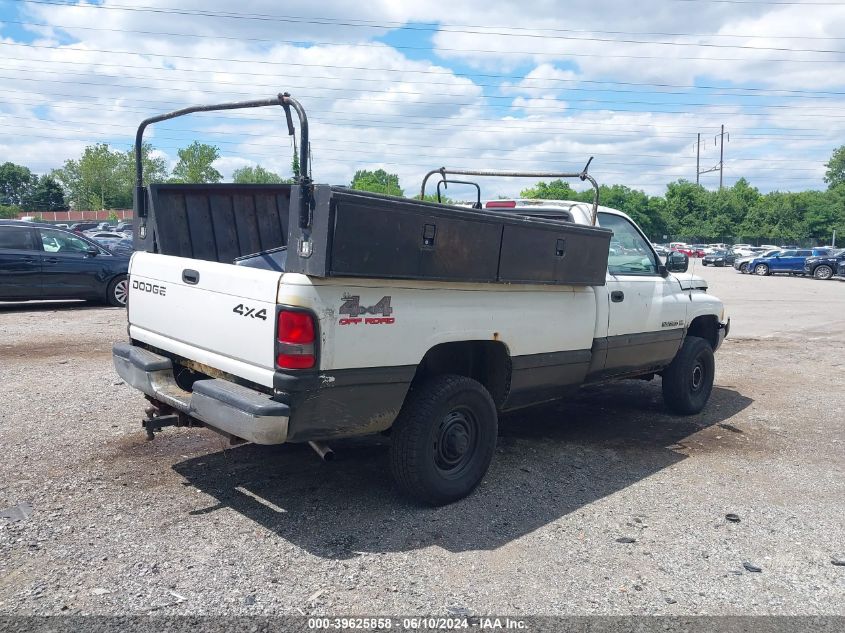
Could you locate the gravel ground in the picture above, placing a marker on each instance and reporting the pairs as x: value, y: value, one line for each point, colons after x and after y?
x: 603, y: 504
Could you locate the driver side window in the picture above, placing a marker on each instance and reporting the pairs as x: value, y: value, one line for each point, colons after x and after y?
x: 629, y: 254
x: 61, y: 242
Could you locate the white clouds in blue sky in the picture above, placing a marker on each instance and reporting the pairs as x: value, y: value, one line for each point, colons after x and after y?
x: 412, y: 86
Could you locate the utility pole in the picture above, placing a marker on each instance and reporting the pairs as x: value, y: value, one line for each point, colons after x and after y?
x: 722, y: 153
x: 698, y: 158
x: 720, y: 166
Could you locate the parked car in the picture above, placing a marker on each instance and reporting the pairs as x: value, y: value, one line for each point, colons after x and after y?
x: 824, y: 266
x: 39, y: 261
x: 689, y: 251
x: 787, y: 261
x: 106, y: 238
x: 81, y: 227
x: 840, y: 269
x: 123, y: 227
x: 741, y: 263
x: 719, y: 258
x: 661, y: 250
x: 123, y: 247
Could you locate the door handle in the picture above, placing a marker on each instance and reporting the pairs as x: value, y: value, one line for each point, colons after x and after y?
x: 190, y: 276
x: 617, y: 296
x: 52, y: 260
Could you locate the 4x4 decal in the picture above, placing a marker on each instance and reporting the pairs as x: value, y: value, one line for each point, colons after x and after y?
x: 351, y: 311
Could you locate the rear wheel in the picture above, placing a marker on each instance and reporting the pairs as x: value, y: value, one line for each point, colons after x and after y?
x: 761, y: 269
x: 118, y: 291
x: 443, y: 440
x: 743, y: 268
x: 823, y: 272
x: 688, y: 380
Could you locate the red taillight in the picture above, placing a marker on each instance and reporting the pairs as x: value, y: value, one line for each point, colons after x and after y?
x: 297, y: 339
x: 501, y: 204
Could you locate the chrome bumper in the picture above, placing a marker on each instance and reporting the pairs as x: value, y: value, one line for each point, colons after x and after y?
x: 224, y: 405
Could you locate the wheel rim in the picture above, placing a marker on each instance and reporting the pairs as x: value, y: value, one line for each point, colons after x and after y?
x: 455, y: 442
x: 762, y: 269
x: 743, y: 268
x: 697, y: 377
x: 121, y: 289
x: 824, y: 272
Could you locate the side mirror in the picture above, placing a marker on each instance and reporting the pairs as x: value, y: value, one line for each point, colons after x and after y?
x: 677, y: 262
x: 93, y: 252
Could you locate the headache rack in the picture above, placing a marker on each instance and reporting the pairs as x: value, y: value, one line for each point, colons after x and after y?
x: 335, y: 231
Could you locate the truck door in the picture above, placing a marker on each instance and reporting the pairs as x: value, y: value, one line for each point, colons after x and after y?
x: 20, y: 263
x: 646, y: 311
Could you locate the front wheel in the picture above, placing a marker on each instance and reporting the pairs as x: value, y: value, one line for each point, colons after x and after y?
x: 743, y: 268
x: 823, y: 272
x: 443, y: 440
x: 118, y: 291
x: 761, y: 269
x: 688, y: 380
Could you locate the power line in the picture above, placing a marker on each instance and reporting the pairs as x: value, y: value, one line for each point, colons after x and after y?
x: 555, y: 80
x: 567, y: 38
x: 479, y: 104
x: 404, y: 26
x: 505, y: 125
x: 130, y: 130
x: 385, y: 46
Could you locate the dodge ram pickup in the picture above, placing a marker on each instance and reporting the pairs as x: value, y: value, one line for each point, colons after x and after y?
x: 307, y: 313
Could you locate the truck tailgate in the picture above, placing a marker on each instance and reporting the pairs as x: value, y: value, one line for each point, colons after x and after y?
x: 219, y: 315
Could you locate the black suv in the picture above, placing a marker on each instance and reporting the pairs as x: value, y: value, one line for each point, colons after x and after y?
x: 824, y: 266
x: 39, y: 261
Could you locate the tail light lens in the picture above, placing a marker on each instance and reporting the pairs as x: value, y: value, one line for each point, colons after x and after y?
x: 501, y: 204
x: 297, y: 338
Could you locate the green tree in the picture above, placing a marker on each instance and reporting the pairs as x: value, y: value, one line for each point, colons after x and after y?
x: 555, y: 190
x: 835, y: 174
x: 47, y: 195
x: 16, y: 183
x: 294, y: 165
x: 378, y: 181
x: 195, y: 164
x: 154, y: 167
x: 96, y: 180
x: 256, y: 175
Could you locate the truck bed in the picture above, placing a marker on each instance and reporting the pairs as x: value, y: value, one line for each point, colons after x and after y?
x: 365, y: 235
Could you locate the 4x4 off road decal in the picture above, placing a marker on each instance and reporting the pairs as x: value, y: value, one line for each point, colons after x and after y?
x: 351, y: 312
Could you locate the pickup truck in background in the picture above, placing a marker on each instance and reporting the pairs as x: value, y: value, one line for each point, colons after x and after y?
x: 307, y: 313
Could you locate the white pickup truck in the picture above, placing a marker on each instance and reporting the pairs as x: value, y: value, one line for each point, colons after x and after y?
x: 398, y: 330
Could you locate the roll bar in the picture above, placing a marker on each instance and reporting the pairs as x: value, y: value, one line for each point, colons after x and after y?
x: 283, y: 99
x: 583, y: 175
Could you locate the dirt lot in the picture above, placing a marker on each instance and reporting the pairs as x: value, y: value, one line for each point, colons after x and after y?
x: 112, y: 523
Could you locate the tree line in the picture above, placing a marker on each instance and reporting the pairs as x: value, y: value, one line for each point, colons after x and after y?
x: 103, y: 178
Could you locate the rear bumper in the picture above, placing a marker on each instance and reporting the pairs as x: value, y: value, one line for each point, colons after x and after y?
x: 224, y: 405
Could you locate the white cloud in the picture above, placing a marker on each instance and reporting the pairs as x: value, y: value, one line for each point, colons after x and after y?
x: 372, y: 105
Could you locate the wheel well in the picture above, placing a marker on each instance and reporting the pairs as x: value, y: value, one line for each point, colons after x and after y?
x: 706, y: 327
x: 488, y: 362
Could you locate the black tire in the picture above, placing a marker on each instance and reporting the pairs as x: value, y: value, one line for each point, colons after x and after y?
x: 743, y: 268
x: 118, y: 291
x: 688, y: 380
x: 761, y: 269
x: 823, y: 271
x: 443, y: 440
